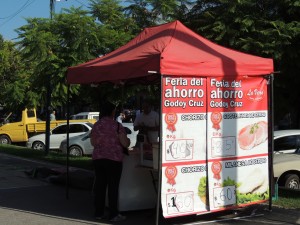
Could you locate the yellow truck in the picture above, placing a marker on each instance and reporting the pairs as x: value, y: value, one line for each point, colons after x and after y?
x: 27, y: 126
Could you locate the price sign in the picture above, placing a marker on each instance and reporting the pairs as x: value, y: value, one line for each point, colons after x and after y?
x: 180, y: 202
x: 223, y: 146
x: 179, y: 149
x: 224, y: 196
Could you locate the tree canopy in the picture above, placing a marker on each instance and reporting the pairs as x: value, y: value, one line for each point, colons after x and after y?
x: 47, y: 47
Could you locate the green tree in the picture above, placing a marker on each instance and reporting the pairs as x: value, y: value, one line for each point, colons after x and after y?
x: 153, y: 12
x: 119, y: 29
x: 70, y: 38
x: 268, y: 28
x: 139, y: 11
x: 163, y: 10
x: 14, y: 78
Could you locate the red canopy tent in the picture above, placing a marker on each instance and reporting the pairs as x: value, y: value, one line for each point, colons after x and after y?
x: 174, y: 50
x: 168, y: 49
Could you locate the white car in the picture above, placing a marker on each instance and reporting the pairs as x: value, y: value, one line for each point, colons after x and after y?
x: 58, y: 134
x: 286, y: 141
x: 286, y: 160
x: 81, y: 145
x: 85, y: 115
x: 287, y: 170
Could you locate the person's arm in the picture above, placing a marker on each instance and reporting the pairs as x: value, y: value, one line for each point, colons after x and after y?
x: 95, y: 135
x: 136, y: 123
x: 92, y: 139
x: 124, y: 140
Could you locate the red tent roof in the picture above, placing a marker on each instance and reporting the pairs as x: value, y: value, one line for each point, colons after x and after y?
x: 169, y: 49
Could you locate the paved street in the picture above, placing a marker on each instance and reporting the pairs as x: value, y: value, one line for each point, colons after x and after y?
x: 27, y: 200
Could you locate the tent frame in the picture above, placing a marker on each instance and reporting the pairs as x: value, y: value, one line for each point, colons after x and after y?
x: 158, y: 202
x: 174, y: 50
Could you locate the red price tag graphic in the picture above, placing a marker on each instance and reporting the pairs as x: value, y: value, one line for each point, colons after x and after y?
x: 171, y: 173
x: 216, y: 118
x: 171, y: 120
x: 216, y: 168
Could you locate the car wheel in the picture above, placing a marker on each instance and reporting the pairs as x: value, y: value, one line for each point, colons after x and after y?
x: 4, y: 139
x: 38, y: 145
x: 75, y: 151
x: 292, y: 181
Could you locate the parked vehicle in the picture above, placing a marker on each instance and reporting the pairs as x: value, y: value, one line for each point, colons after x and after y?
x: 286, y: 141
x: 58, y: 134
x: 26, y: 126
x: 287, y: 170
x: 286, y: 160
x: 85, y: 115
x: 81, y: 145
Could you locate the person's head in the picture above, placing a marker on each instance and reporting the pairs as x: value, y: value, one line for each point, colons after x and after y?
x: 107, y: 109
x: 146, y: 106
x: 122, y: 115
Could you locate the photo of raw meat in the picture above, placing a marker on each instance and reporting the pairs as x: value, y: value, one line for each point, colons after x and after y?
x: 253, y: 135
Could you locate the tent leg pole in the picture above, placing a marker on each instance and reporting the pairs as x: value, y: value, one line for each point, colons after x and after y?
x: 271, y: 139
x: 67, y: 163
x: 158, y: 204
x: 159, y: 163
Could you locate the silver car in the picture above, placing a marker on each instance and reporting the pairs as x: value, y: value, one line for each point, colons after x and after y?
x: 81, y: 145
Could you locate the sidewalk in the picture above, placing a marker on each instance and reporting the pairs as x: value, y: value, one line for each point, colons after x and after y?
x: 25, y: 200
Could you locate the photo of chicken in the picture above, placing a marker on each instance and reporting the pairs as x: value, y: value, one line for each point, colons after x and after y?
x: 256, y: 182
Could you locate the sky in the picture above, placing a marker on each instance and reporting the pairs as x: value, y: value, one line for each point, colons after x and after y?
x: 14, y: 12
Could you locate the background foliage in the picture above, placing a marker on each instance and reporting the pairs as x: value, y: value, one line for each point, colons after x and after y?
x: 47, y: 47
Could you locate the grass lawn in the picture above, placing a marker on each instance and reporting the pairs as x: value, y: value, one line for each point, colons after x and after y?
x: 53, y: 157
x: 286, y: 198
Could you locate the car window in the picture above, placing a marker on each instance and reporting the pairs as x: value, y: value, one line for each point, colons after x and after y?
x: 78, y: 128
x: 81, y: 117
x: 286, y: 143
x: 30, y: 114
x: 90, y: 125
x: 60, y: 130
